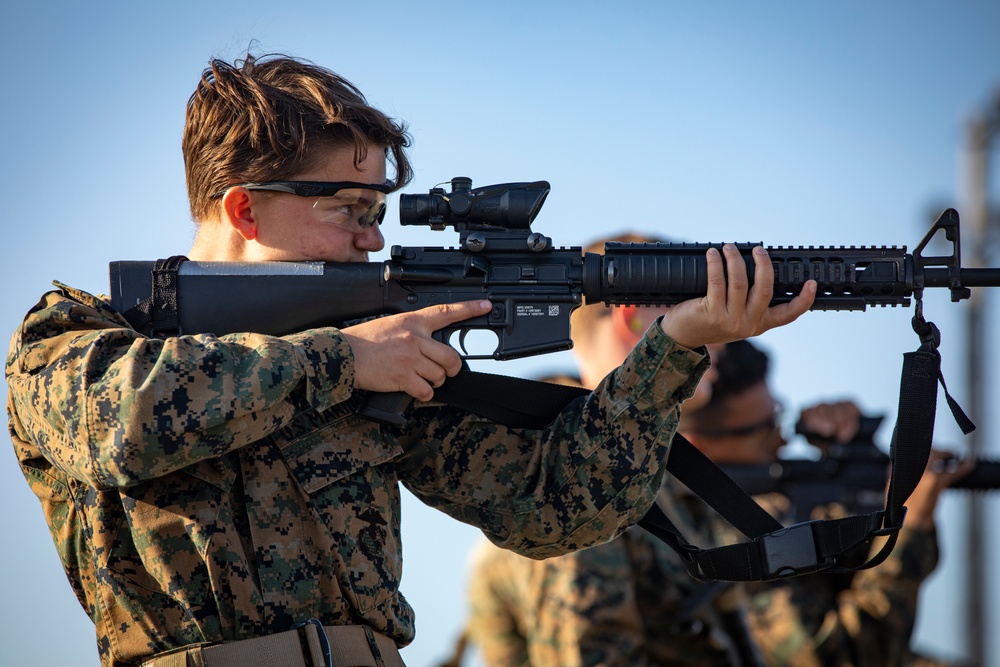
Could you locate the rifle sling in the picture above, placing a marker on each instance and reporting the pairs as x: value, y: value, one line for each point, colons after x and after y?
x: 773, y: 551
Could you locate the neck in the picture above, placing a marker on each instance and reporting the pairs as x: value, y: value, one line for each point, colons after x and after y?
x: 596, y: 361
x: 216, y: 242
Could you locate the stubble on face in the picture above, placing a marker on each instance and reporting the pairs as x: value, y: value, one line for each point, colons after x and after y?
x: 291, y: 228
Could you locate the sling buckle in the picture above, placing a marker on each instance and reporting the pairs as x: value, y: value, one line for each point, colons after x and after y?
x: 790, y: 552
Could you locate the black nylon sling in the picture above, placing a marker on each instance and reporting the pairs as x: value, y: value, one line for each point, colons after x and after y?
x: 774, y: 551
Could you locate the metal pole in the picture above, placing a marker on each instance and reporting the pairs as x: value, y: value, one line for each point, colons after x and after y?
x: 981, y: 132
x: 976, y: 216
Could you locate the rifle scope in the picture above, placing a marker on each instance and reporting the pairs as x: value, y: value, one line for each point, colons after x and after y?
x: 504, y: 206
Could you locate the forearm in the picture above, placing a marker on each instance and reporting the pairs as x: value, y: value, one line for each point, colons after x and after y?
x: 594, y: 471
x: 113, y: 408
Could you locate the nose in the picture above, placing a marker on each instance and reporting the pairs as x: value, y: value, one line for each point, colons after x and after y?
x: 779, y: 442
x: 370, y: 240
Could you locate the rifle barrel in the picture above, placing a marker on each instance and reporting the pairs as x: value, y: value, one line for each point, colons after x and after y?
x: 984, y: 477
x: 988, y: 277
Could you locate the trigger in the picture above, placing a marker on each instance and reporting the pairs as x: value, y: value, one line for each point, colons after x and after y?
x: 461, y: 341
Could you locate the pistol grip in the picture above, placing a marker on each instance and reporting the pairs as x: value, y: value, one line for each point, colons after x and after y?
x: 386, y: 408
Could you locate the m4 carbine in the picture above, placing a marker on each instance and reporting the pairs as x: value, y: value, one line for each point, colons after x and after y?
x: 532, y: 284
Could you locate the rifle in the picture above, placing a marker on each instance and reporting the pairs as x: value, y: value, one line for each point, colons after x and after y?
x: 852, y: 474
x: 533, y: 285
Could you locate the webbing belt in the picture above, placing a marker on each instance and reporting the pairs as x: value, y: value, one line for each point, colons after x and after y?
x: 309, y: 645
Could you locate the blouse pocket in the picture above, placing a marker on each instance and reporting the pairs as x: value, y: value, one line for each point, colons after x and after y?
x: 337, y: 451
x: 345, y: 468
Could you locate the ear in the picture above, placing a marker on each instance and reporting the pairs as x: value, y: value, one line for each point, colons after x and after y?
x: 237, y: 211
x: 629, y: 323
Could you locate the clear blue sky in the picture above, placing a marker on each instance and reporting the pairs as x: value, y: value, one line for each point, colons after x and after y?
x: 789, y: 123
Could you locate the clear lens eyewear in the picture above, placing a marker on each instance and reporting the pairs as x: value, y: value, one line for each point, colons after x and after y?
x: 348, y: 204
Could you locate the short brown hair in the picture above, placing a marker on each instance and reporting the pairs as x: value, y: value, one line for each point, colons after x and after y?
x: 583, y: 319
x: 260, y: 119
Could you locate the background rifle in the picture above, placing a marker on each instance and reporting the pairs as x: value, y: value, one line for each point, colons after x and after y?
x: 853, y: 474
x: 532, y: 284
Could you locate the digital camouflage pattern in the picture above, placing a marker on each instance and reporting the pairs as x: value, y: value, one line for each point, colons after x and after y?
x: 627, y: 603
x: 619, y: 604
x: 203, y: 489
x: 864, y: 620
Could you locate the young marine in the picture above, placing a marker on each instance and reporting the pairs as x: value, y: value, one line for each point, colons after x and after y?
x: 216, y: 501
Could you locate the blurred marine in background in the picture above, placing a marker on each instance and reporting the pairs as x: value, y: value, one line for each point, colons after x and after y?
x: 629, y: 602
x: 864, y: 618
x: 632, y: 602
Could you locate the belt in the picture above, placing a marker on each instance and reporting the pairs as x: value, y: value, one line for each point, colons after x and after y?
x: 307, y: 644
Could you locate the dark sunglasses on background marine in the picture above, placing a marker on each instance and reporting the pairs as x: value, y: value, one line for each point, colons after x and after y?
x: 772, y: 424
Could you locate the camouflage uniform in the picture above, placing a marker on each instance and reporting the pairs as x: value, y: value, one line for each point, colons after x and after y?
x: 203, y: 489
x: 627, y: 603
x: 837, y: 620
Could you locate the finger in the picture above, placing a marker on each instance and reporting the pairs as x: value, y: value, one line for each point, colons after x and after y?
x: 822, y: 426
x: 431, y: 371
x: 716, y: 290
x: 418, y: 388
x: 848, y: 418
x: 437, y: 363
x: 786, y: 313
x: 415, y: 385
x: 846, y: 431
x: 441, y: 355
x: 763, y: 283
x: 964, y: 468
x: 440, y: 316
x: 825, y: 428
x: 839, y: 421
x: 937, y: 457
x: 739, y: 283
x: 952, y: 470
